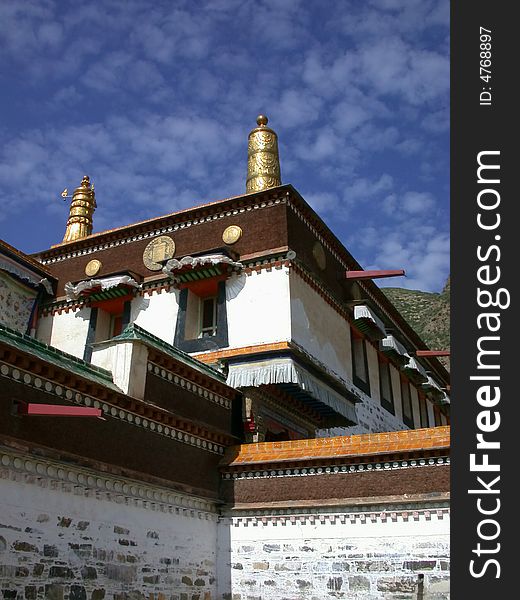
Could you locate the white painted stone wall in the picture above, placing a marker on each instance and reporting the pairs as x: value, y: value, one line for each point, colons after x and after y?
x: 67, y: 332
x: 372, y: 418
x: 318, y: 328
x: 127, y: 361
x: 355, y: 554
x: 58, y: 540
x: 157, y: 313
x: 44, y: 329
x: 258, y: 308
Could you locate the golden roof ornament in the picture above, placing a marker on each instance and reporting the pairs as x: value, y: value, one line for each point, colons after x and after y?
x: 263, y: 162
x: 82, y: 207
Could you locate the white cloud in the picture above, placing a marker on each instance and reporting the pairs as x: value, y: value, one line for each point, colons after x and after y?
x: 421, y: 251
x: 158, y: 99
x: 364, y: 189
x: 324, y: 202
x: 417, y: 202
x: 298, y: 108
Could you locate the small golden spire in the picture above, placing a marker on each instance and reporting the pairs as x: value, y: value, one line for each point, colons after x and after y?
x: 82, y: 207
x: 263, y: 162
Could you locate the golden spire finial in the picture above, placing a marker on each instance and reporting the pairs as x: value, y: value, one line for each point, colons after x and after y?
x: 82, y: 207
x: 263, y: 162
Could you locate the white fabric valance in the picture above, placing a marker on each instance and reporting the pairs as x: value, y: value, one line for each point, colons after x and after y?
x: 391, y: 345
x: 207, y: 260
x: 435, y: 390
x: 416, y: 366
x: 364, y: 317
x: 286, y: 370
x: 25, y: 274
x: 74, y: 291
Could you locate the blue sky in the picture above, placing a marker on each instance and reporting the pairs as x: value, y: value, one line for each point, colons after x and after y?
x: 154, y: 100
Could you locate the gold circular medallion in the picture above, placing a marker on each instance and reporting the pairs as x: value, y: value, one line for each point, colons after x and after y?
x: 319, y: 255
x: 93, y: 267
x: 159, y: 249
x: 231, y: 234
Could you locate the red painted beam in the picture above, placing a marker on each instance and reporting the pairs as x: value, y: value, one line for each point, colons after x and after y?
x: 373, y: 274
x: 58, y: 410
x: 432, y: 353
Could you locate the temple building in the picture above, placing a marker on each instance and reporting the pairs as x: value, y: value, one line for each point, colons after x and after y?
x: 166, y: 382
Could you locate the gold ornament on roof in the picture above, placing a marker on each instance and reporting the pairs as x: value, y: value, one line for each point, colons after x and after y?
x: 263, y: 162
x: 232, y: 234
x: 93, y: 267
x: 82, y: 207
x: 160, y: 249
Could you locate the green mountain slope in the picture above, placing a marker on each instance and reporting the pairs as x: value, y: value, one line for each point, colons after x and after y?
x: 428, y: 313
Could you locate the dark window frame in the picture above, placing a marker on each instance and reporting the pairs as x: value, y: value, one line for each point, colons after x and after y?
x: 387, y: 403
x: 407, y: 420
x: 93, y: 324
x: 199, y: 344
x: 358, y: 382
x: 423, y: 402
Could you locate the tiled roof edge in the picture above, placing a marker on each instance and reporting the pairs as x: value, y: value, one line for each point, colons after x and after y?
x: 54, y: 355
x: 428, y: 439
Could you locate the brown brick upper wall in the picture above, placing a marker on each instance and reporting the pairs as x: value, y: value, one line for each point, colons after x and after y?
x: 420, y: 483
x: 397, y: 466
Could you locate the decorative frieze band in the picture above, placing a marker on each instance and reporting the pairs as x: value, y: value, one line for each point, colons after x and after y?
x: 70, y: 479
x: 115, y: 412
x: 362, y: 515
x: 188, y: 385
x: 353, y: 468
x: 163, y: 230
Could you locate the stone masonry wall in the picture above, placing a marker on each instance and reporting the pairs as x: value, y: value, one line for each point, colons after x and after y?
x: 66, y: 534
x: 399, y: 553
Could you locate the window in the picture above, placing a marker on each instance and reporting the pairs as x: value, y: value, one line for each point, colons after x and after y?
x: 116, y: 325
x: 437, y: 414
x: 208, y: 317
x: 359, y: 363
x: 407, y: 403
x: 202, y: 318
x: 423, y: 410
x: 107, y: 319
x: 108, y: 324
x: 385, y: 386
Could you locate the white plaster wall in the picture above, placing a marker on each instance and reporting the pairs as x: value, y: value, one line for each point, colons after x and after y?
x: 157, y: 313
x: 102, y: 545
x: 44, y: 329
x: 258, y: 310
x: 318, y: 328
x: 359, y: 558
x: 128, y: 363
x: 69, y: 331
